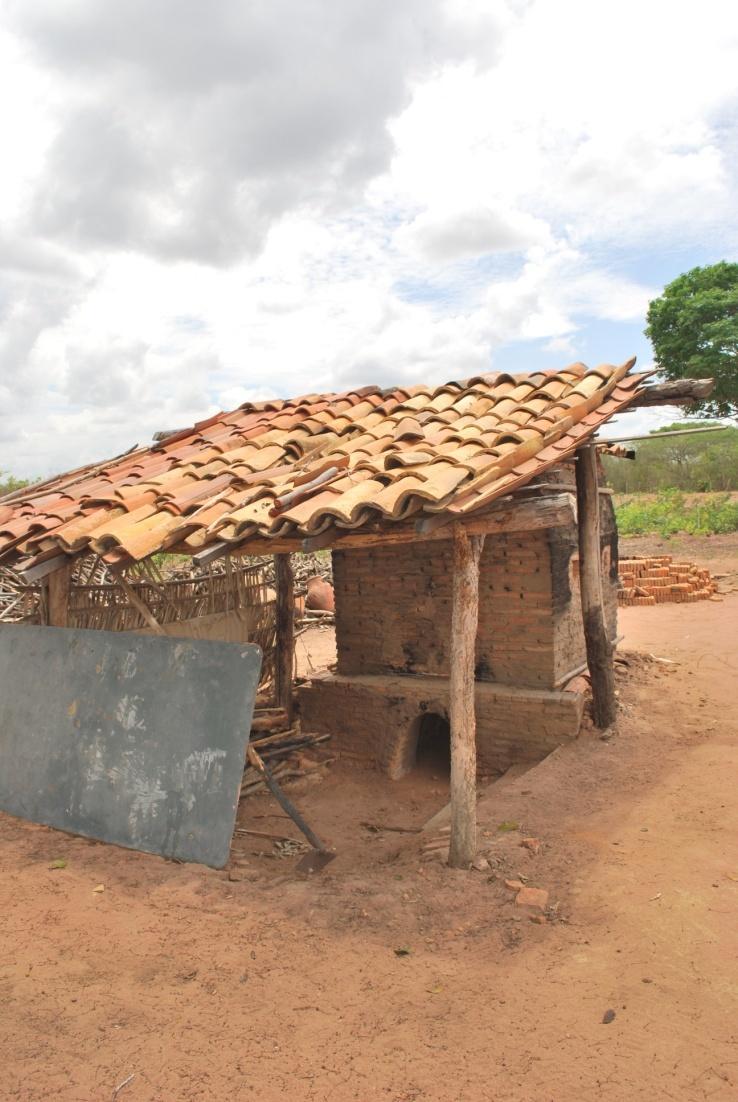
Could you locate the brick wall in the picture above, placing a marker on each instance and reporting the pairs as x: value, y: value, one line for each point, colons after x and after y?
x: 393, y: 606
x: 393, y: 610
x: 515, y: 637
x: 375, y: 719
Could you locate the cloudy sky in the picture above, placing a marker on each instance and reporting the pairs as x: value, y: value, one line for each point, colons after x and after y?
x: 206, y: 203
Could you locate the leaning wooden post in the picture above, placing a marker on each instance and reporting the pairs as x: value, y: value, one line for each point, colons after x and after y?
x: 285, y: 641
x: 464, y: 616
x: 57, y: 596
x: 599, y: 646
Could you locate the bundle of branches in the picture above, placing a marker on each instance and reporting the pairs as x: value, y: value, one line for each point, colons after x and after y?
x: 281, y: 751
x: 18, y: 600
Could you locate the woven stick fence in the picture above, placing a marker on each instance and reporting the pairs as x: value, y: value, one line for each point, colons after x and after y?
x: 100, y: 602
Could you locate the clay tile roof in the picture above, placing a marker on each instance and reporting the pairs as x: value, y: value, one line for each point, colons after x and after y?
x: 294, y: 468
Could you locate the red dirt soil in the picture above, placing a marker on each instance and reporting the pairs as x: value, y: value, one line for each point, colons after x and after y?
x: 274, y: 986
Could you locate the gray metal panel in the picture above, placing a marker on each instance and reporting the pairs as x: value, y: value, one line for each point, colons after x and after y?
x: 134, y: 740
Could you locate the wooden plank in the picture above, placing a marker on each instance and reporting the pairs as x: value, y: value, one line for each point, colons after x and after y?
x: 464, y: 617
x: 285, y: 633
x: 558, y: 487
x: 672, y: 394
x: 270, y: 722
x: 57, y: 601
x: 40, y: 570
x: 212, y: 552
x: 599, y: 647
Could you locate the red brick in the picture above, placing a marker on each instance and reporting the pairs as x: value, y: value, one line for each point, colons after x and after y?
x: 535, y: 899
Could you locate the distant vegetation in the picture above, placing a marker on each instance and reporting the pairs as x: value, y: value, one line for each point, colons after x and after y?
x: 678, y: 483
x: 9, y: 484
x: 695, y: 464
x: 670, y: 512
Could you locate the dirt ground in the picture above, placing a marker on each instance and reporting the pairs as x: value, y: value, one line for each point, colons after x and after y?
x: 185, y: 983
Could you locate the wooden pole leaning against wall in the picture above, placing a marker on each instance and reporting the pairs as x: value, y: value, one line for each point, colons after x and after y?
x: 598, y: 644
x: 464, y: 617
x: 285, y: 634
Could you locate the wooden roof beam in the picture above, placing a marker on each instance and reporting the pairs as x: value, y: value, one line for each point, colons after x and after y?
x: 512, y: 515
x: 509, y: 515
x: 676, y: 393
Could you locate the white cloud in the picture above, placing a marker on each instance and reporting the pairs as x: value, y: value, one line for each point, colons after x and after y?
x: 563, y: 345
x: 556, y: 286
x: 447, y: 235
x: 186, y: 129
x: 607, y: 126
x: 202, y: 205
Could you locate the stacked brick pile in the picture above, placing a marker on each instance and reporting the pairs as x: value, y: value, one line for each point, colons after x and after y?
x: 659, y: 579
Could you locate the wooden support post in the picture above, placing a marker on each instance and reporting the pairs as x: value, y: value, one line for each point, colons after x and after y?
x: 285, y: 658
x: 599, y: 647
x: 464, y: 617
x: 57, y: 596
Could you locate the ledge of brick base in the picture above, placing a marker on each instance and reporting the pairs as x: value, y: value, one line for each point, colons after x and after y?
x: 375, y: 718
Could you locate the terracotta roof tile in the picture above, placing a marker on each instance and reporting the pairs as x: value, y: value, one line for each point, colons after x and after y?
x: 399, y: 451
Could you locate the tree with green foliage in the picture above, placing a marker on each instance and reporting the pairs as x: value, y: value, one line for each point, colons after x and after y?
x: 693, y: 327
x: 9, y: 484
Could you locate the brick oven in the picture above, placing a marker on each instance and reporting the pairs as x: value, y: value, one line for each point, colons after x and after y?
x: 393, y: 635
x: 401, y: 484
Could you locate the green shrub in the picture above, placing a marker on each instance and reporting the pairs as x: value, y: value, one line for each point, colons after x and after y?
x: 670, y: 513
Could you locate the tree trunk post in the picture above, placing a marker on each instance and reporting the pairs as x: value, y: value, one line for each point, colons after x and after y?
x: 464, y: 617
x: 57, y: 596
x: 285, y: 640
x: 598, y: 644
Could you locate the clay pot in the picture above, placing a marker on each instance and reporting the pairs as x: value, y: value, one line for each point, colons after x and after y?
x: 320, y: 594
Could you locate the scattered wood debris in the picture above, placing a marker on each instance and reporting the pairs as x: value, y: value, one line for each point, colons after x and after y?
x: 283, y: 748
